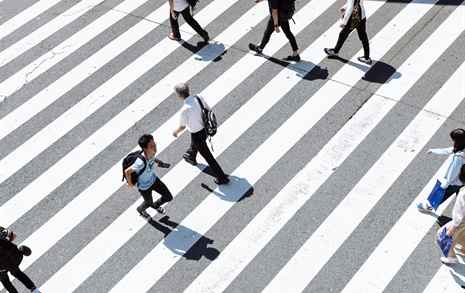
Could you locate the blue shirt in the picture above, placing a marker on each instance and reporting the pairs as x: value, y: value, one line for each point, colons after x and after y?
x: 146, y: 177
x: 452, y: 174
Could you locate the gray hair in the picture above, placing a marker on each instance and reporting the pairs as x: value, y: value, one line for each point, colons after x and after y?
x: 182, y: 89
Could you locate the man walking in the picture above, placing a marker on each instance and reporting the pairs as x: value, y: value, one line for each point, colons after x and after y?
x: 191, y: 118
x: 148, y: 180
x: 347, y: 9
x: 182, y: 7
x: 273, y: 25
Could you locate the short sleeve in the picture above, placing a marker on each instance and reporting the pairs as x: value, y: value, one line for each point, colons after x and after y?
x: 138, y: 165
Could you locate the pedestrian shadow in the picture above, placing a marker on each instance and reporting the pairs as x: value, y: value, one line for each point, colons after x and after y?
x: 206, y: 51
x: 202, y: 246
x: 455, y: 270
x: 380, y: 72
x: 299, y: 67
x: 236, y: 190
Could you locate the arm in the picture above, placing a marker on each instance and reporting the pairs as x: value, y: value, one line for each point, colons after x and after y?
x: 178, y: 130
x: 128, y: 172
x: 458, y: 212
x: 445, y: 152
x: 274, y: 13
x: 347, y: 10
x: 7, y: 234
x: 173, y: 15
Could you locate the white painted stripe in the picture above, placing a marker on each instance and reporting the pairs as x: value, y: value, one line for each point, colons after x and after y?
x: 319, y: 248
x: 25, y: 16
x: 273, y: 217
x: 63, y: 50
x: 448, y: 279
x: 136, y: 111
x: 47, y: 30
x: 386, y: 260
x: 64, y: 221
x: 60, y: 126
x: 71, y: 79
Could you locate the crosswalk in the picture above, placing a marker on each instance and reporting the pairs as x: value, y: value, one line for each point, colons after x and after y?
x: 326, y: 156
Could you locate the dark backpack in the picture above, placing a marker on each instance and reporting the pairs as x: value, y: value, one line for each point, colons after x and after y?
x: 354, y: 19
x: 129, y: 160
x: 10, y: 255
x: 209, y: 119
x: 286, y: 9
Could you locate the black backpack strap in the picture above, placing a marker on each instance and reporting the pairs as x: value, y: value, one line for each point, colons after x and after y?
x: 200, y: 103
x: 144, y: 160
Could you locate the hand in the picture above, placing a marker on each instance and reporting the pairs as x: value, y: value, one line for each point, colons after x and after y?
x: 175, y: 133
x: 450, y: 231
x: 341, y: 25
x: 276, y: 29
x: 429, y: 152
x: 13, y: 236
x: 173, y: 15
x: 342, y: 10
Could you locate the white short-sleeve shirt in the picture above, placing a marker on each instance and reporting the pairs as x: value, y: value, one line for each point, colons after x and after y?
x: 180, y: 5
x: 191, y: 114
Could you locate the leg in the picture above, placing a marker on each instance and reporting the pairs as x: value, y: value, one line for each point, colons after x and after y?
x: 267, y: 34
x: 362, y: 35
x: 345, y: 32
x: 192, y: 151
x: 451, y: 189
x: 23, y: 278
x: 148, y: 199
x: 161, y: 188
x: 175, y: 25
x: 6, y: 282
x: 186, y: 13
x: 290, y: 36
x: 199, y: 139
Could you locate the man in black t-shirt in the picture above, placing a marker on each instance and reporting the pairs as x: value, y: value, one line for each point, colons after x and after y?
x: 273, y: 26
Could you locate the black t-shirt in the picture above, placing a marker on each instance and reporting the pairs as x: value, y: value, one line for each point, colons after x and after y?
x: 273, y: 4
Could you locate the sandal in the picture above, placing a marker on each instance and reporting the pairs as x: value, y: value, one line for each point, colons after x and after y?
x: 173, y: 38
x: 424, y: 207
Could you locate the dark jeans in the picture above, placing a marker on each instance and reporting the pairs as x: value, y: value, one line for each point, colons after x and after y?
x: 18, y: 274
x: 186, y: 14
x: 286, y: 29
x: 199, y: 144
x: 451, y: 189
x: 159, y: 187
x: 362, y: 35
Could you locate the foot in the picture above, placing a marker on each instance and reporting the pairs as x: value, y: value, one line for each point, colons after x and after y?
x: 331, y: 52
x: 172, y: 37
x: 221, y: 181
x: 364, y: 59
x: 293, y: 58
x: 188, y: 159
x: 424, y: 207
x: 160, y: 210
x: 205, y: 37
x: 449, y: 260
x: 255, y: 48
x: 143, y: 214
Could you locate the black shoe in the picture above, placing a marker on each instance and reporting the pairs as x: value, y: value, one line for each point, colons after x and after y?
x: 205, y: 37
x: 255, y: 48
x: 188, y: 159
x: 143, y: 214
x: 292, y: 58
x: 331, y: 52
x: 160, y: 210
x: 221, y: 181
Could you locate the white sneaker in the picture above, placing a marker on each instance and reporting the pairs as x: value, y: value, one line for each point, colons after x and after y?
x: 449, y: 260
x: 364, y: 60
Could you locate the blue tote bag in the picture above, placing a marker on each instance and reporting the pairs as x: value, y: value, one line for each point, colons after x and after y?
x: 436, y: 196
x: 445, y: 242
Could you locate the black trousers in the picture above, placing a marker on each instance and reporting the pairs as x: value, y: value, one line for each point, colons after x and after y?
x: 199, y: 144
x: 286, y: 29
x: 362, y: 35
x: 18, y: 274
x: 451, y: 189
x: 186, y: 14
x: 159, y: 187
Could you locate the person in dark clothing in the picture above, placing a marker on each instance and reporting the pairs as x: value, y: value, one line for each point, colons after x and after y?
x: 182, y: 7
x: 274, y: 23
x: 8, y: 235
x: 191, y: 117
x: 346, y: 30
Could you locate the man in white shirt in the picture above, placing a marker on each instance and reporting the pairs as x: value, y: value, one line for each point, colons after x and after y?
x: 191, y: 118
x: 182, y: 7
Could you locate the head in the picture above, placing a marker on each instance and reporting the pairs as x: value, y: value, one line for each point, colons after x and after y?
x: 182, y: 90
x: 457, y: 136
x: 147, y: 143
x: 462, y: 174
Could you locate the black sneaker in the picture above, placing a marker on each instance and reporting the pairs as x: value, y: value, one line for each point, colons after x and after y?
x: 255, y: 48
x: 160, y: 210
x: 330, y: 52
x: 143, y: 214
x: 188, y: 159
x: 292, y: 58
x: 221, y: 181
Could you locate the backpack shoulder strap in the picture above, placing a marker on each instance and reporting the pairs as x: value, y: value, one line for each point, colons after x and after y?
x: 200, y: 102
x: 144, y: 160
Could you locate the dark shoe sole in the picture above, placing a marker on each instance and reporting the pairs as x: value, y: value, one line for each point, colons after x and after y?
x: 255, y: 48
x: 295, y: 58
x: 330, y: 54
x: 221, y: 181
x: 188, y: 159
